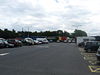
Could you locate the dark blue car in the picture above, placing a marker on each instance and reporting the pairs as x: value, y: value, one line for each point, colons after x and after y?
x: 91, y: 46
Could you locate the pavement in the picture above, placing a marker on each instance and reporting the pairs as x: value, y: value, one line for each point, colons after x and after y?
x: 47, y: 59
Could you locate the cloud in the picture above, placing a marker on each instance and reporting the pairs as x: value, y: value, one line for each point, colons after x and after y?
x: 44, y: 15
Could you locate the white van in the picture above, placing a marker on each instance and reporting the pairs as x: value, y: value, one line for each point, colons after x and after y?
x: 43, y: 40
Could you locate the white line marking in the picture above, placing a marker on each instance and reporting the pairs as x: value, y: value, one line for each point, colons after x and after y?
x: 3, y: 54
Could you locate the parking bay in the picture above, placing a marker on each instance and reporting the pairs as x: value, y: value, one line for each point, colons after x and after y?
x: 94, y: 64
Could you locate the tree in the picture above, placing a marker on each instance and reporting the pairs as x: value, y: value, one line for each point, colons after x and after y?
x: 78, y: 33
x: 60, y: 33
x: 1, y: 32
x: 66, y: 34
x: 13, y: 34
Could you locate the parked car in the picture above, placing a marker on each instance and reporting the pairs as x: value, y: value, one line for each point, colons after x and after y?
x: 65, y: 41
x: 51, y: 41
x: 69, y: 40
x: 91, y: 46
x: 15, y: 42
x: 82, y: 44
x: 58, y: 41
x: 43, y: 40
x: 73, y: 41
x: 28, y: 41
x: 6, y: 44
x: 98, y: 54
x: 36, y: 42
x: 1, y: 43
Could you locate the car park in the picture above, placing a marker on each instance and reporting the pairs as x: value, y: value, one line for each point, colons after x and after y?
x: 98, y: 54
x: 91, y: 46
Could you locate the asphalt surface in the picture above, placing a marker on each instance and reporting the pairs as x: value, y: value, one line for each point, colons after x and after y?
x: 47, y: 59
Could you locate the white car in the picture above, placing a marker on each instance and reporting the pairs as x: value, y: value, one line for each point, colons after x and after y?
x: 36, y: 42
x: 29, y: 41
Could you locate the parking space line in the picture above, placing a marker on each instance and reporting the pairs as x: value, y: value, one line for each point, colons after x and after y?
x: 95, y: 69
x: 91, y: 58
x: 91, y: 69
x: 3, y: 54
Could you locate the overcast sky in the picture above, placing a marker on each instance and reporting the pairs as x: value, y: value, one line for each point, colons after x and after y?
x: 41, y: 15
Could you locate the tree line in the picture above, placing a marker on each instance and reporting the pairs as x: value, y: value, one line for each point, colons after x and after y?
x: 13, y: 33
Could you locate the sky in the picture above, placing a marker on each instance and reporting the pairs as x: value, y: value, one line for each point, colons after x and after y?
x: 44, y: 15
